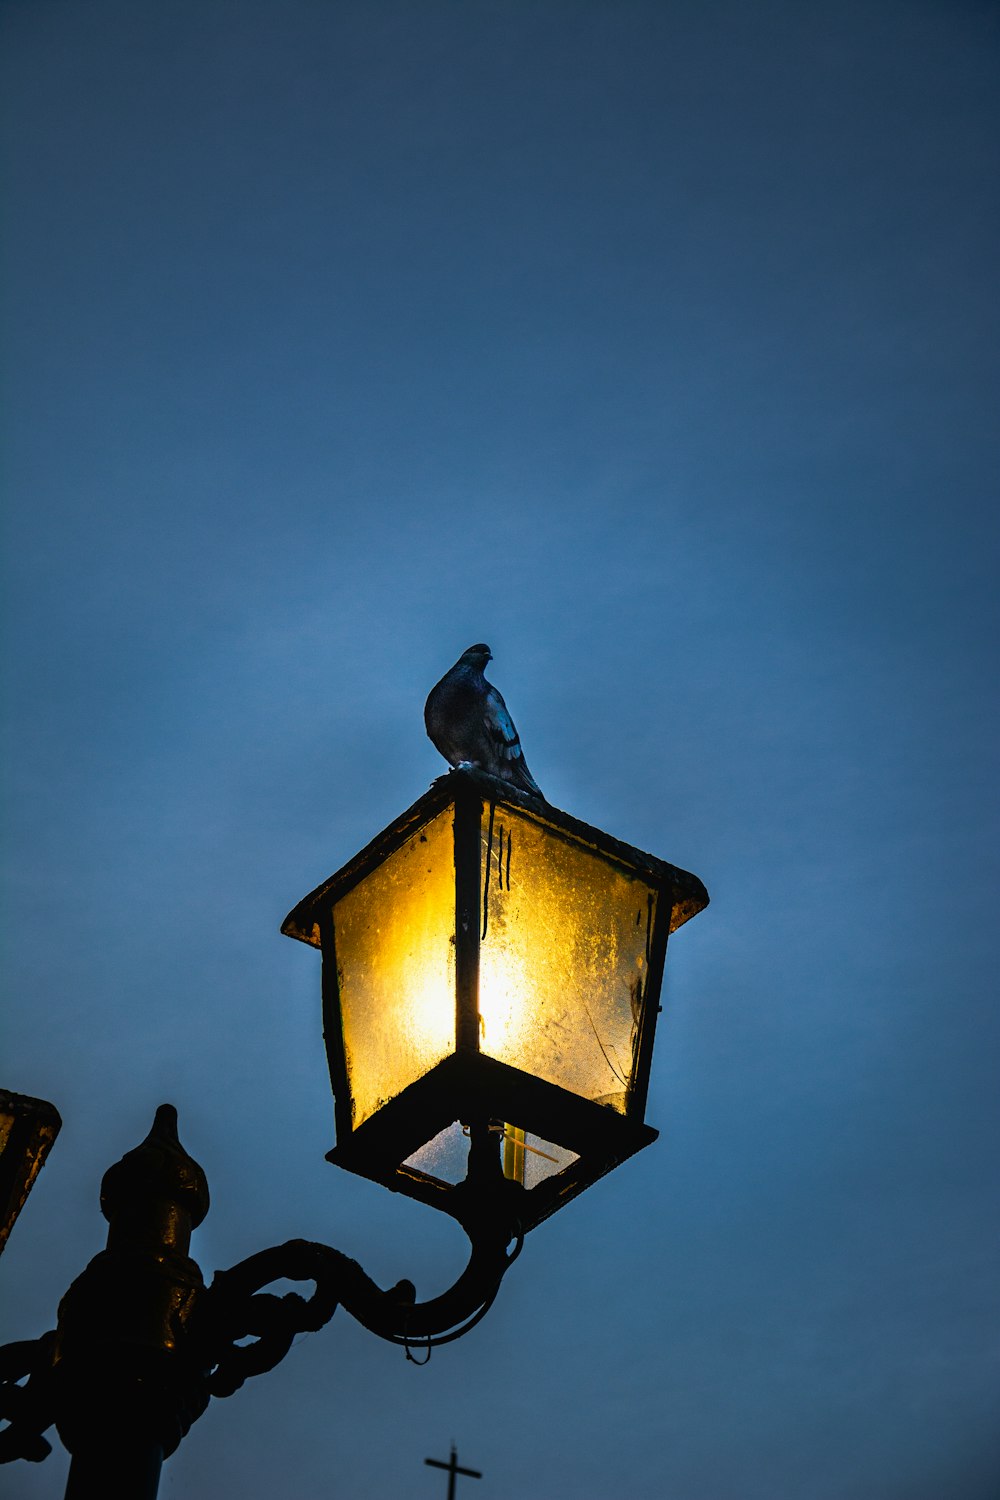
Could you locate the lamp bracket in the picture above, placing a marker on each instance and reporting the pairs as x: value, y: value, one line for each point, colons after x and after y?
x: 140, y: 1323
x: 236, y: 1306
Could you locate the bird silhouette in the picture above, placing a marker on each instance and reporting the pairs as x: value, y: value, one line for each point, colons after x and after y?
x: 467, y: 720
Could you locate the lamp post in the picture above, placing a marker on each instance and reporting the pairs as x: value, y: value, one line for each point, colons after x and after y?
x: 491, y: 978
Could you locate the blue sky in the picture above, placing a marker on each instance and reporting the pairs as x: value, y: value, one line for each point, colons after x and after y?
x: 654, y: 344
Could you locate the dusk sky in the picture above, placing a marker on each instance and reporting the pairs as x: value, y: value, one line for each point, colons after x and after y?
x: 655, y: 344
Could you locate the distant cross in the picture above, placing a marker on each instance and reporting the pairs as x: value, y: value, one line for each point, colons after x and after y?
x: 453, y: 1468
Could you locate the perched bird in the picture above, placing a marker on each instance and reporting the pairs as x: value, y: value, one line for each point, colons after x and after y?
x: 467, y: 720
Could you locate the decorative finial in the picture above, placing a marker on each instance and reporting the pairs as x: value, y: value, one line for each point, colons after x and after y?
x: 159, y: 1168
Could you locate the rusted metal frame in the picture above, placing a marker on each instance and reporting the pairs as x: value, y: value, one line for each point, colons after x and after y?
x: 468, y: 866
x: 689, y: 894
x: 483, y: 1173
x: 333, y: 1025
x: 463, y: 1083
x: 35, y: 1123
x: 643, y: 1059
x: 301, y: 919
x: 474, y: 1084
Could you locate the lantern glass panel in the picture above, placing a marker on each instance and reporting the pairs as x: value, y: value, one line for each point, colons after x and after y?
x: 395, y: 941
x: 564, y: 961
x: 536, y: 1160
x: 445, y: 1157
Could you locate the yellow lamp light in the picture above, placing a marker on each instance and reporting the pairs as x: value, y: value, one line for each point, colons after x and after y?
x: 490, y: 963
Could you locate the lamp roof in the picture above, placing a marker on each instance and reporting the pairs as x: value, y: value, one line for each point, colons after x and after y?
x: 685, y: 890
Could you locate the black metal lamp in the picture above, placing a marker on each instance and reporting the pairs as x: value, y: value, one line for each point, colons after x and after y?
x: 491, y: 981
x: 28, y: 1128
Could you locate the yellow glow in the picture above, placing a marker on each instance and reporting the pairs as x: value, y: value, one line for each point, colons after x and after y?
x: 503, y: 996
x: 396, y: 964
x: 513, y: 1153
x: 563, y: 964
x: 432, y: 1001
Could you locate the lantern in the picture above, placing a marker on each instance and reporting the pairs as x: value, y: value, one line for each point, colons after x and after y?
x: 492, y: 965
x: 28, y: 1128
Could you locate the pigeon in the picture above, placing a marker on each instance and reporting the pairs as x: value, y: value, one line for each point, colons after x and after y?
x: 467, y: 720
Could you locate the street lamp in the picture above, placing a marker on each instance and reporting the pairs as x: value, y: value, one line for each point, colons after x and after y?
x: 491, y: 980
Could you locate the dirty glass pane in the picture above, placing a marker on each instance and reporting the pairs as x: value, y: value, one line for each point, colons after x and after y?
x: 396, y: 964
x: 445, y: 1157
x: 564, y: 962
x: 529, y: 1159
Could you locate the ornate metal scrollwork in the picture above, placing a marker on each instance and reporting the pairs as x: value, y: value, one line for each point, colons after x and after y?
x: 140, y: 1320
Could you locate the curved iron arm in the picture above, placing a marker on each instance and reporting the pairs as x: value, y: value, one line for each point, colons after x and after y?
x: 27, y: 1408
x: 140, y: 1325
x: 235, y: 1306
